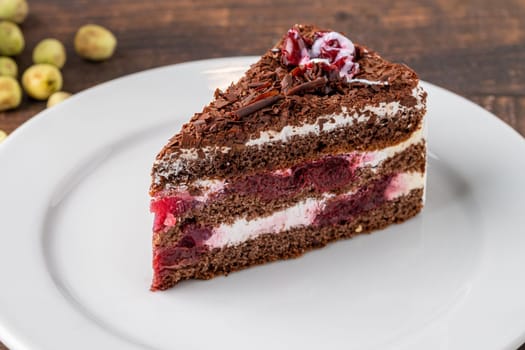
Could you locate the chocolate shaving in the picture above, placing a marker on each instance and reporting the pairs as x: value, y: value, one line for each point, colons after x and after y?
x: 222, y: 103
x: 263, y: 86
x: 286, y: 82
x: 265, y: 95
x: 297, y: 71
x: 257, y: 84
x: 254, y: 107
x: 268, y: 75
x: 248, y: 99
x: 200, y: 153
x: 230, y: 97
x: 321, y: 122
x: 308, y: 86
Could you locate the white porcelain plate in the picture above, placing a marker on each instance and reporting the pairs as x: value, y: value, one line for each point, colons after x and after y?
x: 75, y: 237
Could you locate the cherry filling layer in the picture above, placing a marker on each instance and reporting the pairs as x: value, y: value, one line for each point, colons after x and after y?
x: 345, y: 207
x: 167, y: 209
x: 186, y: 251
x: 327, y: 174
x: 336, y: 211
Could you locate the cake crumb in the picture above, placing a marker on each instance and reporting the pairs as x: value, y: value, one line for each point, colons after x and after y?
x: 359, y: 229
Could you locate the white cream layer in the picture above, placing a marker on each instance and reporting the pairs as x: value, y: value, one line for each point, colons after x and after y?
x: 330, y: 122
x: 301, y: 214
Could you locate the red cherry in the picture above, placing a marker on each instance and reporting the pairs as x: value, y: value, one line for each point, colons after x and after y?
x: 172, y: 205
x: 294, y: 48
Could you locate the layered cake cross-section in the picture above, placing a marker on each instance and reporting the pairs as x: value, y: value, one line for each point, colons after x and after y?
x: 320, y: 140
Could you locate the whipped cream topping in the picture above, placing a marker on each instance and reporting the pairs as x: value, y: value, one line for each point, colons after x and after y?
x: 300, y: 214
x: 367, y: 82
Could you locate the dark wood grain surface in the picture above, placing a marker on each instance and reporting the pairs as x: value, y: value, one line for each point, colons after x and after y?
x: 474, y: 48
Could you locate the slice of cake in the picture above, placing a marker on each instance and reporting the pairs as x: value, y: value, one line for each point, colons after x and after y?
x: 321, y: 139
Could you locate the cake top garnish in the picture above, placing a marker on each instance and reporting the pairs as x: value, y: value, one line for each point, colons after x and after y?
x: 332, y: 50
x: 310, y: 72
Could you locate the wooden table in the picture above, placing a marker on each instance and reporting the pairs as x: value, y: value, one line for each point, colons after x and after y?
x: 474, y: 48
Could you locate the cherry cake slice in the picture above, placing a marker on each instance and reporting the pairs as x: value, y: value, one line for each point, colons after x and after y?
x: 320, y: 140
